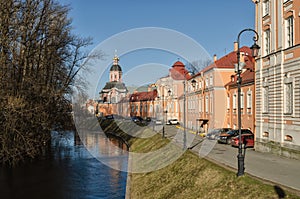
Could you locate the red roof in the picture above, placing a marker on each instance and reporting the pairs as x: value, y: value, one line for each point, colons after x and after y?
x: 178, y: 71
x: 229, y: 60
x: 143, y: 96
x: 248, y: 75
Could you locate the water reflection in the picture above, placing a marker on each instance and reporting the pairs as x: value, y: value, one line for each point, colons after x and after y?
x: 69, y: 172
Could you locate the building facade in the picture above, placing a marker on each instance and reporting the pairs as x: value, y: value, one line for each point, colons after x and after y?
x: 277, y: 76
x: 247, y: 97
x: 170, y: 92
x: 210, y: 101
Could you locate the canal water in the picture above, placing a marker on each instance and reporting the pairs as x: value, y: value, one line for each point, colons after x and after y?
x: 70, y: 171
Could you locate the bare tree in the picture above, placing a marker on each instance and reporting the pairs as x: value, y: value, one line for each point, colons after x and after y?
x: 39, y: 61
x: 198, y: 65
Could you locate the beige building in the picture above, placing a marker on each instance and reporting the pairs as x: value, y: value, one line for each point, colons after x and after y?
x: 169, y: 89
x: 277, y: 77
x: 208, y: 100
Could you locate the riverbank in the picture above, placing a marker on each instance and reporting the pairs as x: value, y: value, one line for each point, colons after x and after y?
x: 189, y: 176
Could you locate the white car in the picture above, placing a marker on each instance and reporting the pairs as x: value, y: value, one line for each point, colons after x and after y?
x: 158, y: 122
x: 173, y: 121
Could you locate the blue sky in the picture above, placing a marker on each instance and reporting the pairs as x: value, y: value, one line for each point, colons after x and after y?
x: 213, y: 24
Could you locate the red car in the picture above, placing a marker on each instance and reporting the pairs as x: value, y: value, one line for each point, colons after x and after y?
x: 247, y: 140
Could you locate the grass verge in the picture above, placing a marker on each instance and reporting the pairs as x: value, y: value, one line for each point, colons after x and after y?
x: 194, y: 177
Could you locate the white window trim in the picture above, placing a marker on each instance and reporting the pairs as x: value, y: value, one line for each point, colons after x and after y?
x: 267, y: 42
x: 266, y: 8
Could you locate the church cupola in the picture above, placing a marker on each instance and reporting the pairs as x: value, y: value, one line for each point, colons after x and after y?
x: 115, y: 71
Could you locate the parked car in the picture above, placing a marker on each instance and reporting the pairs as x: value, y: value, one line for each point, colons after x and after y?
x: 226, y: 137
x: 173, y: 121
x: 136, y: 119
x: 215, y: 133
x: 158, y: 122
x: 247, y: 140
x: 109, y: 117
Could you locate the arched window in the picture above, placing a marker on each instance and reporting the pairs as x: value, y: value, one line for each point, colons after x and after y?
x: 288, y: 138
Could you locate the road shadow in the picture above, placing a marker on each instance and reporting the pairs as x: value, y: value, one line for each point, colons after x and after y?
x: 280, y: 192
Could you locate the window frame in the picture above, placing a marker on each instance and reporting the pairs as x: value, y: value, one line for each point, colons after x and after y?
x: 266, y: 8
x: 288, y: 98
x: 267, y: 42
x: 289, y: 31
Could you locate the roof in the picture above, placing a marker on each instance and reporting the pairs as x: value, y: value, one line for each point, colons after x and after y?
x: 143, y: 96
x: 118, y: 85
x: 228, y: 60
x: 115, y: 67
x: 248, y: 75
x: 178, y: 71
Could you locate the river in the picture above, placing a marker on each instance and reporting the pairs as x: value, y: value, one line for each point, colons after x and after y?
x: 69, y: 171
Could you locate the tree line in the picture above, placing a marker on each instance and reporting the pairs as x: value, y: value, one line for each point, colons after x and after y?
x: 40, y: 59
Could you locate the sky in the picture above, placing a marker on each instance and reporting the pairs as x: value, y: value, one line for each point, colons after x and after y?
x: 212, y: 25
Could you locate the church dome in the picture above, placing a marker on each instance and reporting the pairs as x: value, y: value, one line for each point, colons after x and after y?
x: 115, y: 68
x: 178, y: 64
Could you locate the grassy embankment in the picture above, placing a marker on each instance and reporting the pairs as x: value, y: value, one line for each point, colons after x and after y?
x: 189, y: 176
x: 194, y: 177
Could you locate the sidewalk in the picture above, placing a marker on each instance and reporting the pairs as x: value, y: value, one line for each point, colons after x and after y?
x: 275, y: 169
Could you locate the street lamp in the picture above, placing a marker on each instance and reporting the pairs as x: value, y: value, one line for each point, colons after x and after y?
x: 255, y: 48
x: 164, y: 112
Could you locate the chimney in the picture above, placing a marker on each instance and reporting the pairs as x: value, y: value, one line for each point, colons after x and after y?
x: 235, y: 46
x: 215, y: 57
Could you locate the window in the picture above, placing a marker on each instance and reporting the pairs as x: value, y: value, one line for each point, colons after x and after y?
x: 242, y: 101
x: 228, y: 103
x: 266, y: 134
x: 211, y: 80
x: 289, y: 23
x: 206, y: 104
x: 234, y: 101
x: 288, y: 138
x: 267, y: 44
x: 266, y: 7
x: 200, y: 105
x: 288, y: 98
x: 265, y: 99
x: 249, y: 102
x: 211, y: 104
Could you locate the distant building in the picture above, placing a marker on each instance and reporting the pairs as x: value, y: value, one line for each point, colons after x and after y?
x: 142, y: 103
x: 170, y: 91
x: 114, y: 90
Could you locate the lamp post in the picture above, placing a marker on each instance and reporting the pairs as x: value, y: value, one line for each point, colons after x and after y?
x: 255, y: 48
x: 164, y: 111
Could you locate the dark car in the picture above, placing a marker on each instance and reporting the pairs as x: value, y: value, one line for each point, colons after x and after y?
x: 226, y: 137
x: 247, y: 140
x: 109, y: 117
x: 136, y: 119
x: 215, y: 133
